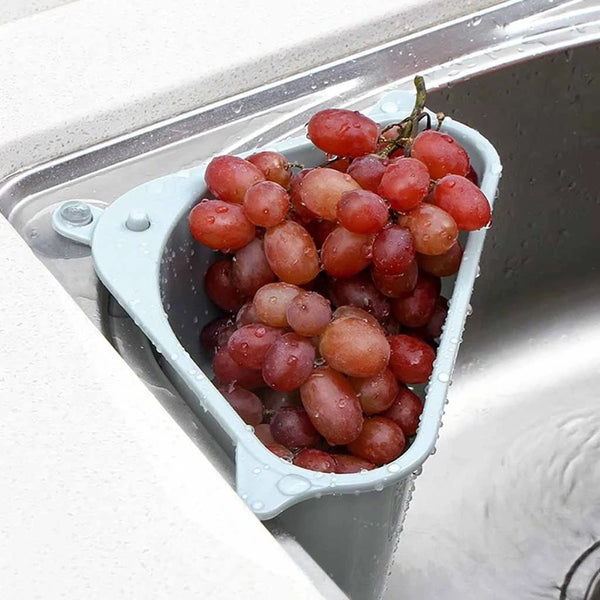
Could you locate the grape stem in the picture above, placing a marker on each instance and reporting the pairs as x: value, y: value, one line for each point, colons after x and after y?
x: 409, y: 126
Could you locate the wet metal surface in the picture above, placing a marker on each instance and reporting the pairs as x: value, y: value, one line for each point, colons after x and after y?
x: 512, y: 497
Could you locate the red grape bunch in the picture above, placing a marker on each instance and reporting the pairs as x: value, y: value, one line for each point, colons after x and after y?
x: 329, y: 282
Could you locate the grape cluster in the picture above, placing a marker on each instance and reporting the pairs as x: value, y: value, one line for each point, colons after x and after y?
x: 329, y: 278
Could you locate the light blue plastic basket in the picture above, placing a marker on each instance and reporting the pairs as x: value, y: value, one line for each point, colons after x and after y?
x: 144, y: 255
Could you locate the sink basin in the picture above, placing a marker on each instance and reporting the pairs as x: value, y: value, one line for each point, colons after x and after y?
x: 511, y: 499
x: 508, y: 506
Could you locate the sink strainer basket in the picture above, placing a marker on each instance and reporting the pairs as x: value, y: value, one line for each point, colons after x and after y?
x: 143, y: 253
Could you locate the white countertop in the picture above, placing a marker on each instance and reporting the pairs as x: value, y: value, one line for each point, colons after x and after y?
x: 103, y: 495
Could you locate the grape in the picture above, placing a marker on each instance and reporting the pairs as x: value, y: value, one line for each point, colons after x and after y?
x: 308, y: 313
x: 263, y: 433
x: 214, y: 335
x: 271, y: 302
x: 275, y: 400
x: 266, y: 204
x: 339, y: 164
x: 358, y: 313
x: 440, y: 153
x: 228, y: 177
x: 360, y: 292
x: 228, y: 371
x: 444, y: 264
x: 434, y: 231
x: 394, y: 286
x: 297, y: 203
x: 354, y: 347
x: 220, y: 225
x: 405, y: 410
x: 343, y: 132
x: 315, y: 460
x: 367, y: 171
x: 433, y: 328
x: 246, y: 315
x: 416, y: 309
x: 405, y: 183
x: 273, y: 165
x: 291, y: 253
x: 219, y: 286
x: 319, y: 230
x: 393, y: 250
x: 346, y: 463
x: 464, y: 201
x: 321, y: 190
x: 250, y: 269
x: 292, y: 428
x: 345, y: 253
x: 411, y: 359
x: 376, y: 393
x: 472, y: 176
x: 288, y: 362
x: 361, y: 211
x: 245, y: 403
x: 380, y: 441
x: 281, y: 451
x: 332, y: 406
x: 248, y: 345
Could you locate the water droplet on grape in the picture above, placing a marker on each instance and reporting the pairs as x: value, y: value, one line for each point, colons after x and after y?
x: 222, y: 209
x: 210, y: 220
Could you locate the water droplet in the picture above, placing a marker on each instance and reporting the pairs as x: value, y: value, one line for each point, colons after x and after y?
x: 292, y: 360
x: 393, y: 468
x: 444, y: 377
x: 256, y: 470
x: 210, y: 220
x: 454, y: 340
x: 291, y: 485
x: 475, y: 21
x: 257, y: 505
x: 469, y: 310
x: 379, y: 487
x: 222, y: 210
x: 389, y: 107
x: 259, y: 332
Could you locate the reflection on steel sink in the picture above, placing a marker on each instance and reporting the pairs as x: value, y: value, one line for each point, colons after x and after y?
x: 509, y: 506
x: 511, y: 500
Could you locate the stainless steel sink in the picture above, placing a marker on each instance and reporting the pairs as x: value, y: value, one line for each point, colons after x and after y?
x: 511, y: 500
x: 509, y: 507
